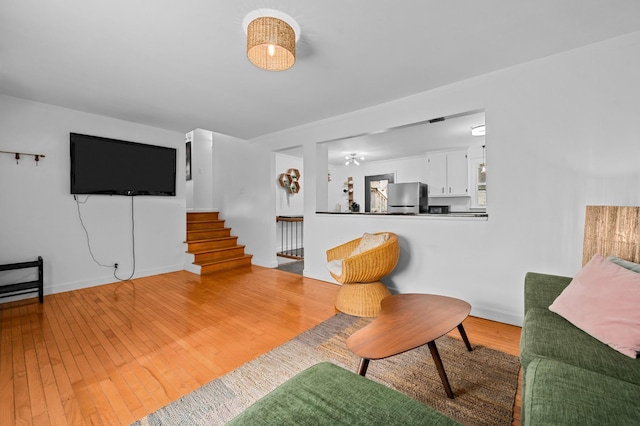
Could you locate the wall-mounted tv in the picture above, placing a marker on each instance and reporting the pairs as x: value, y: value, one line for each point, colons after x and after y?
x: 115, y: 167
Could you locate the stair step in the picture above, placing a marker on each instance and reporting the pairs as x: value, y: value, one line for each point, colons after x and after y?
x: 218, y: 254
x: 208, y: 234
x: 223, y: 265
x: 211, y: 244
x: 200, y: 225
x: 197, y: 216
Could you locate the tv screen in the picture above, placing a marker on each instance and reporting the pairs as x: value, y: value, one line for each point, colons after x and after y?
x: 110, y: 166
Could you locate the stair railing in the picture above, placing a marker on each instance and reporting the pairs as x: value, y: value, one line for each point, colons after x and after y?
x: 291, y: 230
x: 378, y: 201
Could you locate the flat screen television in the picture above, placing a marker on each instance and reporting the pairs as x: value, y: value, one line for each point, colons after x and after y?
x: 115, y: 167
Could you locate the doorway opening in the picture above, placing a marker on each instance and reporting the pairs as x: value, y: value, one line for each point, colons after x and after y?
x: 375, y: 192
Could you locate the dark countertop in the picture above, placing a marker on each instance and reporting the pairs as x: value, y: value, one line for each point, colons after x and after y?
x: 450, y: 214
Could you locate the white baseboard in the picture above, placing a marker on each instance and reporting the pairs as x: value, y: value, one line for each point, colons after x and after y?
x: 107, y: 279
x: 192, y: 268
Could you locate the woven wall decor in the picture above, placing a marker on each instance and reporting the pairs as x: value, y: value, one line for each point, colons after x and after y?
x: 612, y: 231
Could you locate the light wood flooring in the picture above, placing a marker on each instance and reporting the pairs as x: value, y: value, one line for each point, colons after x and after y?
x: 112, y: 354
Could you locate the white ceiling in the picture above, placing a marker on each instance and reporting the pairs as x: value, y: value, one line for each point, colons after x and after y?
x: 181, y: 65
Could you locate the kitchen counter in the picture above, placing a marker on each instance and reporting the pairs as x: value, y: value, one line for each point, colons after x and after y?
x: 480, y: 215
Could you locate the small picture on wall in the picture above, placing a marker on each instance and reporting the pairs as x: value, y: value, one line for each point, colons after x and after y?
x: 188, y: 167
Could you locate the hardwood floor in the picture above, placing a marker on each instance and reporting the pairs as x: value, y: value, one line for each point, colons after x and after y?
x: 114, y: 353
x: 499, y: 336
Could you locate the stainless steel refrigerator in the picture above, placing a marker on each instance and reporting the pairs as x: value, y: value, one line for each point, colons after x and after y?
x: 407, y: 198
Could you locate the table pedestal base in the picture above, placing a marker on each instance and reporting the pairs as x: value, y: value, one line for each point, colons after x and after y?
x: 361, y: 299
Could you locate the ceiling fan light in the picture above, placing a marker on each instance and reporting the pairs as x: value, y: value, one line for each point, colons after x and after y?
x: 351, y: 159
x: 271, y: 44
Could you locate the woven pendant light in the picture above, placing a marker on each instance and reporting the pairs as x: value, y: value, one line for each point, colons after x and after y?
x: 271, y: 44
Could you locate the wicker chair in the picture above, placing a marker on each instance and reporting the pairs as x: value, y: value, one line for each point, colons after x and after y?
x: 362, y: 291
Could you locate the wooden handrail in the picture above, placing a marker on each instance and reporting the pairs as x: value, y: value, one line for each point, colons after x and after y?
x: 289, y: 219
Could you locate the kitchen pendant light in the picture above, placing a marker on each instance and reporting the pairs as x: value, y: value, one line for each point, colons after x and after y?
x: 271, y: 39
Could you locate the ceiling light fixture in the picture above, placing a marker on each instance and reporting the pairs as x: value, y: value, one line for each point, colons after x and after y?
x: 478, y: 130
x: 351, y: 159
x: 271, y: 39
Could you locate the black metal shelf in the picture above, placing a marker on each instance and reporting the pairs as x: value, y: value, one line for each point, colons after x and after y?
x: 8, y: 290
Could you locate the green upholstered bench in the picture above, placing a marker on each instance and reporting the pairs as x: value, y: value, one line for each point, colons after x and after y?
x: 326, y: 394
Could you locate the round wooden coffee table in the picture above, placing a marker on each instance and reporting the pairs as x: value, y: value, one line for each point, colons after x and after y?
x: 407, y: 321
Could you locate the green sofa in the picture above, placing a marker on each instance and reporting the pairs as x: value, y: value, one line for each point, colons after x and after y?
x: 569, y: 377
x: 326, y: 394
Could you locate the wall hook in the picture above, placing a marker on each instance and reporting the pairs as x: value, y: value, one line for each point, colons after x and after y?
x: 18, y: 154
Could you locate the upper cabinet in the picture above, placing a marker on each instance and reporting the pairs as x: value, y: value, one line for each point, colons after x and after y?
x: 448, y: 173
x: 437, y: 174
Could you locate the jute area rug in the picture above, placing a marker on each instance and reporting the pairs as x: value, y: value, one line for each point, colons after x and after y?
x: 484, y: 381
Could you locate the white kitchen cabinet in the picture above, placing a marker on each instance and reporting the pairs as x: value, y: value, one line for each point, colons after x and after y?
x: 437, y: 174
x: 448, y: 173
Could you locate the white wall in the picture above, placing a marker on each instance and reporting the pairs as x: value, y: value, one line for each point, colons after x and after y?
x: 245, y: 194
x: 200, y: 187
x: 288, y: 204
x: 289, y: 235
x: 38, y: 215
x: 188, y: 195
x: 561, y: 134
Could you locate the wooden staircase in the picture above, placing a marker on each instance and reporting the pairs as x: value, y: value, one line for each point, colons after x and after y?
x: 211, y: 244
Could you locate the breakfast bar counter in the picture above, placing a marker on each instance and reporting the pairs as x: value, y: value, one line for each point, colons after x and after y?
x: 451, y: 215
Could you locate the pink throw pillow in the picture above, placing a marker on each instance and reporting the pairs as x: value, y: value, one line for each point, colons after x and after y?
x: 603, y: 299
